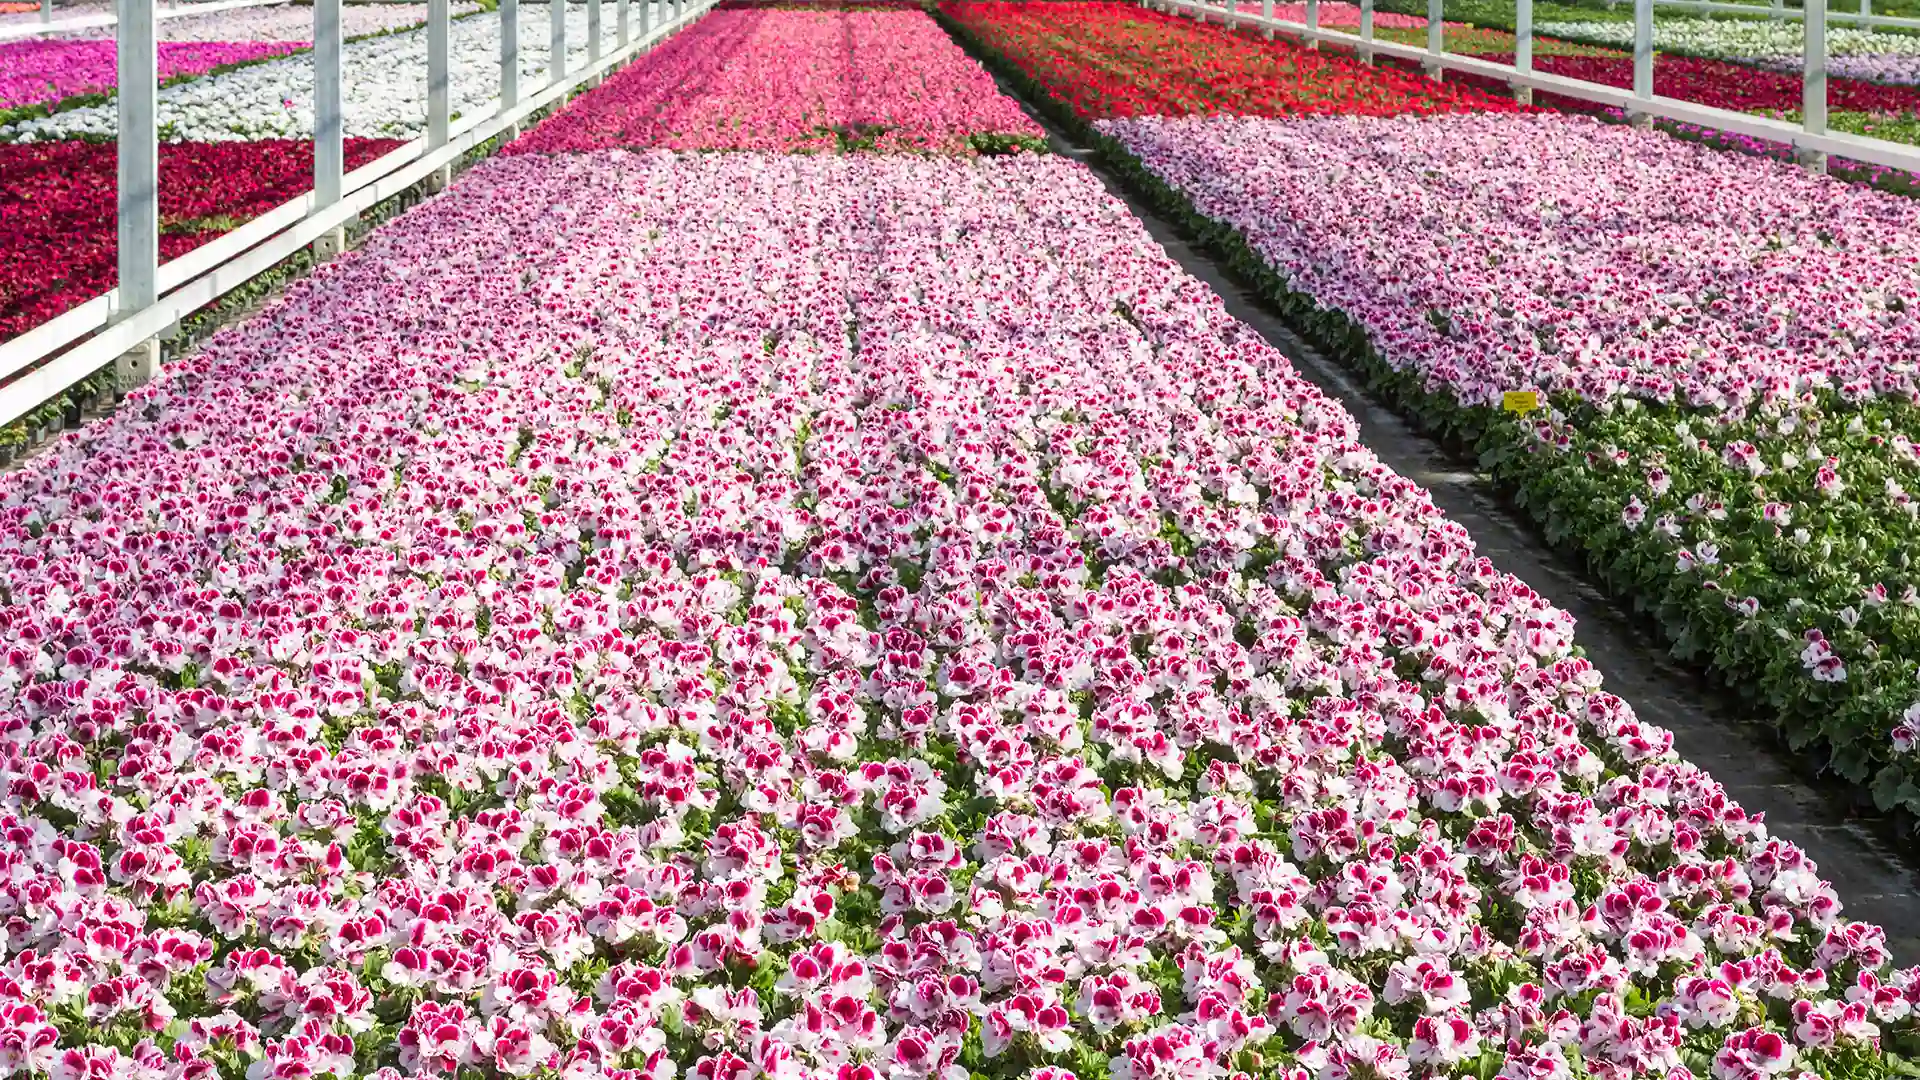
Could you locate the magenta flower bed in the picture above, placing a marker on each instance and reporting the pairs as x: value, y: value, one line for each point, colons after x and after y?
x: 1726, y: 85
x: 783, y: 80
x: 41, y: 72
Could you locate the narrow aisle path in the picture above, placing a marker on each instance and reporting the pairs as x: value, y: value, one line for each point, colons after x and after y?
x: 1876, y: 880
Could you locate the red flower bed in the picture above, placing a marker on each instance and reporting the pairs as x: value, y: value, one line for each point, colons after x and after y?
x: 57, y: 235
x: 1715, y: 82
x: 1110, y: 60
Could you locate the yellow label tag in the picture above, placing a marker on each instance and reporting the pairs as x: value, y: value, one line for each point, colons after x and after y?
x: 1520, y: 401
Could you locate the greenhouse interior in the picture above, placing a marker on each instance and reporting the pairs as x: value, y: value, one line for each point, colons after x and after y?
x: 960, y: 539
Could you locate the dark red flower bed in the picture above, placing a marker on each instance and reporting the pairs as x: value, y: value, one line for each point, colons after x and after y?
x: 1717, y: 83
x: 1110, y: 60
x: 57, y: 233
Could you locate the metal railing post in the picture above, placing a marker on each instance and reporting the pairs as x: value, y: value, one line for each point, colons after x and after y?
x: 46, y: 11
x: 1266, y: 12
x: 646, y: 17
x: 1313, y: 22
x: 329, y: 126
x: 1366, y: 31
x: 138, y: 177
x: 556, y: 41
x: 509, y: 53
x: 593, y: 31
x: 1436, y: 37
x: 1523, y: 47
x: 623, y: 19
x: 1642, y: 59
x: 439, y: 104
x: 1813, y: 83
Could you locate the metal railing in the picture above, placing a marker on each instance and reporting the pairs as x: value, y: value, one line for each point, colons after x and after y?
x: 1810, y: 139
x: 1779, y: 10
x: 122, y: 327
x: 48, y: 25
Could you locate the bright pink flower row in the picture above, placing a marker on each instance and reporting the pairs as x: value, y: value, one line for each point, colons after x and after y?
x: 41, y: 71
x: 788, y: 80
x: 1338, y: 13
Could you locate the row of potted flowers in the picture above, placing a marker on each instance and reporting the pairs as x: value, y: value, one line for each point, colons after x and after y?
x: 42, y: 75
x: 383, y: 86
x: 44, y: 72
x: 726, y: 616
x: 1113, y: 59
x: 1851, y: 51
x: 57, y: 213
x: 797, y: 81
x: 1738, y: 467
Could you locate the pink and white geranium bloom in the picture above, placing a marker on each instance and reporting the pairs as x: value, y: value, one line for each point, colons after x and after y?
x: 828, y: 617
x: 1725, y: 347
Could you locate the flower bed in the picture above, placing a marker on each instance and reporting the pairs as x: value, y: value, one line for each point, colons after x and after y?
x: 383, y: 86
x: 1738, y: 467
x: 57, y: 223
x: 785, y: 80
x: 1732, y: 86
x: 41, y: 72
x: 725, y: 616
x: 1118, y: 60
x: 1339, y: 14
x: 1903, y: 70
x: 289, y: 22
x: 1733, y: 39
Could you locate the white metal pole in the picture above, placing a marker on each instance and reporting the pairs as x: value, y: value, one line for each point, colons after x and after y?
x: 1313, y: 22
x: 623, y: 18
x: 1813, y: 86
x: 439, y: 108
x: 1266, y: 12
x: 1366, y: 31
x: 646, y: 17
x: 329, y: 127
x: 1643, y: 49
x: 1866, y: 8
x: 46, y: 11
x: 556, y: 40
x: 593, y: 31
x: 329, y: 156
x: 679, y: 10
x: 138, y: 63
x: 509, y: 53
x: 1523, y: 45
x: 1779, y: 10
x: 1436, y: 36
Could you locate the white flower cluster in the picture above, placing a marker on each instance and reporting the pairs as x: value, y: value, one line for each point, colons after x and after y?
x: 1738, y: 39
x: 384, y: 85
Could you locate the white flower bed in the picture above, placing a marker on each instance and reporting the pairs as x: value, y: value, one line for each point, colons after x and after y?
x: 1721, y: 37
x: 385, y: 86
x: 286, y: 22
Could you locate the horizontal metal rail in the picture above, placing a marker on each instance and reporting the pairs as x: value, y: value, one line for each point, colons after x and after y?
x: 1798, y: 136
x: 89, y: 22
x: 1781, y: 11
x: 202, y: 276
